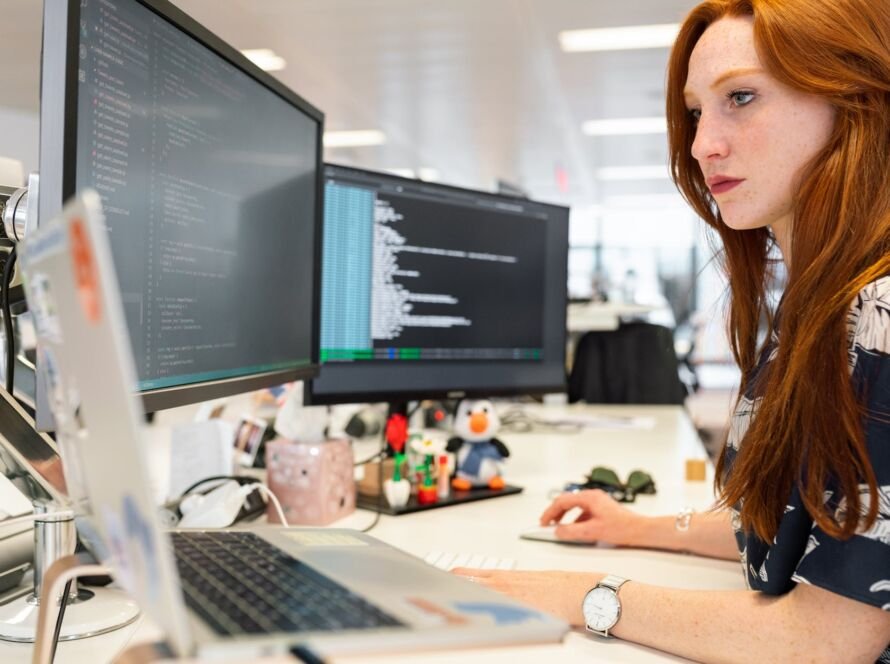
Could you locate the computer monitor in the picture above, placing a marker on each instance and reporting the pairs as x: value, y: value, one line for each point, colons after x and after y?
x: 432, y: 291
x: 210, y: 175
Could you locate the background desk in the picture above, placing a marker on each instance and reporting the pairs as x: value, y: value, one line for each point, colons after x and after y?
x: 541, y: 461
x: 586, y: 317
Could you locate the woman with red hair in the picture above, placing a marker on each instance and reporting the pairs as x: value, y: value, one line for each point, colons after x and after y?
x: 779, y: 125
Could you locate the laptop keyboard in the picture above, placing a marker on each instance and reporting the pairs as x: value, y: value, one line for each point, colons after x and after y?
x: 241, y: 584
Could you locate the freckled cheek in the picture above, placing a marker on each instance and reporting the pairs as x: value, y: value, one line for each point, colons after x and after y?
x: 768, y: 158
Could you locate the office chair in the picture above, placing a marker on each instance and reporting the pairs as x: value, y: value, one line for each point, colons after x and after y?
x: 635, y: 364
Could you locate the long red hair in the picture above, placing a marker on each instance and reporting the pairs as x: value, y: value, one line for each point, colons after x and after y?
x: 808, y: 431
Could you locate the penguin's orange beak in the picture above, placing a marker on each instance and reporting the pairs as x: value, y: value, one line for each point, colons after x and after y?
x: 478, y: 422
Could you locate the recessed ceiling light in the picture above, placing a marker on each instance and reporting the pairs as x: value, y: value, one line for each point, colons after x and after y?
x: 625, y: 126
x: 619, y: 39
x: 354, y: 138
x: 265, y: 58
x: 616, y: 173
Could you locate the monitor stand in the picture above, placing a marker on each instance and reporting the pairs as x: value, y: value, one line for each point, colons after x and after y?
x: 87, y: 612
x: 377, y: 501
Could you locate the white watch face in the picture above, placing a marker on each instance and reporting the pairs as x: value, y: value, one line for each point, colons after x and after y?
x: 601, y: 608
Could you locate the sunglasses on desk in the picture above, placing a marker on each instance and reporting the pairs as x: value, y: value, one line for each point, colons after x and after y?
x: 600, y: 477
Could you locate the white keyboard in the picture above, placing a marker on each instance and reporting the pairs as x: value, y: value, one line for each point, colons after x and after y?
x: 448, y: 561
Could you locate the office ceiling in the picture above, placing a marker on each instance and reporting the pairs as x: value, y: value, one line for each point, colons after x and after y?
x: 476, y: 89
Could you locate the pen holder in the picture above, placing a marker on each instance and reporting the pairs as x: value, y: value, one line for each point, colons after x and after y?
x: 313, y: 481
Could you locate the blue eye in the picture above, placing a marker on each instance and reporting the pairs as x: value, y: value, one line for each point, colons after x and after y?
x: 694, y: 116
x: 740, y: 97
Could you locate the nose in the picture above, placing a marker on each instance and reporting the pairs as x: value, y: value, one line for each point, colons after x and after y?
x: 478, y: 422
x: 710, y: 140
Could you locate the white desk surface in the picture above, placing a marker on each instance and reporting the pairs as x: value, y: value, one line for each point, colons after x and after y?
x: 540, y: 462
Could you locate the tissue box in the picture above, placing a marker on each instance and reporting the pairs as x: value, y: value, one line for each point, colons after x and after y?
x: 313, y: 481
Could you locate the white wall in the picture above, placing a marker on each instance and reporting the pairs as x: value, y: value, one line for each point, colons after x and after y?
x: 20, y: 136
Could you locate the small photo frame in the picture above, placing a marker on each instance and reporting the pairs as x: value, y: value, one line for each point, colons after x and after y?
x: 248, y: 436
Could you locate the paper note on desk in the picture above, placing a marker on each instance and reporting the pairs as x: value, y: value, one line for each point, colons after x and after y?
x: 594, y: 421
x: 198, y: 450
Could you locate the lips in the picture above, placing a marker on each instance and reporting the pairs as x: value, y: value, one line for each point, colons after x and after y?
x: 720, y: 184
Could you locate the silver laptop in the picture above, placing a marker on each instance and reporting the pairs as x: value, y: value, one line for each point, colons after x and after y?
x: 237, y: 592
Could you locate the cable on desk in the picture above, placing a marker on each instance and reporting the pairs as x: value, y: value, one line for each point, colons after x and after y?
x: 381, y: 455
x: 7, y: 320
x: 518, y: 420
x: 305, y: 655
x: 241, y: 479
x: 271, y: 496
x: 58, y: 629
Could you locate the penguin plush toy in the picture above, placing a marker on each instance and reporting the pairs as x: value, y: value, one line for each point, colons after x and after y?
x: 479, y: 454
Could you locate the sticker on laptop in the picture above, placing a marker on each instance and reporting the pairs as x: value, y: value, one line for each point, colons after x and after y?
x: 500, y: 614
x: 43, y: 308
x: 141, y: 538
x: 133, y: 549
x: 314, y: 538
x: 116, y: 540
x: 86, y: 275
x: 429, y: 613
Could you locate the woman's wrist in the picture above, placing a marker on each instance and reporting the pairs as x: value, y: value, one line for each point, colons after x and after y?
x: 575, y: 600
x: 639, y: 532
x: 656, y: 532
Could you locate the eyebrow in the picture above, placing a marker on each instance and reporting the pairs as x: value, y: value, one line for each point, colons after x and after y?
x: 732, y: 73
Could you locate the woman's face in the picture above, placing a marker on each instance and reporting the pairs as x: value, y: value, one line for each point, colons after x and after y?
x: 754, y: 135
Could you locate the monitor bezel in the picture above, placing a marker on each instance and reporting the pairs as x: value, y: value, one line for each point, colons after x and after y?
x: 57, y: 179
x: 313, y: 398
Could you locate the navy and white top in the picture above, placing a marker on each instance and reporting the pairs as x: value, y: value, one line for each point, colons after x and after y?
x: 801, y: 552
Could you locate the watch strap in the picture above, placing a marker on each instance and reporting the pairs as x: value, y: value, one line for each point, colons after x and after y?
x: 613, y: 582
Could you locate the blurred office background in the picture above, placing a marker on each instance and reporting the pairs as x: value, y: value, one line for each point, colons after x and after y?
x: 489, y: 94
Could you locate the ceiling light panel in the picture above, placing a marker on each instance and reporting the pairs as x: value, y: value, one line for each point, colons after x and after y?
x: 619, y: 39
x: 625, y: 126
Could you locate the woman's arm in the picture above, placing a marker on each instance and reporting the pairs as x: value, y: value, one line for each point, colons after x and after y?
x: 603, y: 519
x: 808, y: 623
x: 709, y: 534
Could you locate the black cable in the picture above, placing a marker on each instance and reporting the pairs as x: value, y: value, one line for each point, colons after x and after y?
x: 382, y: 456
x: 7, y: 321
x: 58, y: 630
x: 241, y: 479
x: 519, y: 421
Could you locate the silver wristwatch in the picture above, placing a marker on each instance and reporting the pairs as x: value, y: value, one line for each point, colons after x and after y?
x: 602, y: 607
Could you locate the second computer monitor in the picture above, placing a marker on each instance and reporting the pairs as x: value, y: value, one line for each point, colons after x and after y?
x: 209, y: 171
x: 434, y: 291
